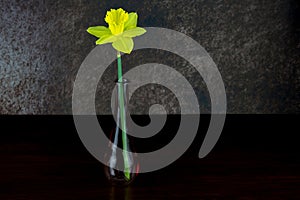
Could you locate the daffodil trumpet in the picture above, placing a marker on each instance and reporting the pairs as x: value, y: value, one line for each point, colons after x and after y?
x: 122, y: 27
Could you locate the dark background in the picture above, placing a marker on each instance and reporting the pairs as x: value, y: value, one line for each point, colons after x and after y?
x: 254, y: 43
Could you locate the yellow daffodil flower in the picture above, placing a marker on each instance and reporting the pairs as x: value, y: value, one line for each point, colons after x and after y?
x: 122, y: 27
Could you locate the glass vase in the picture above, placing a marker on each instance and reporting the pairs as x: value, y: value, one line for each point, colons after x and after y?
x: 121, y: 166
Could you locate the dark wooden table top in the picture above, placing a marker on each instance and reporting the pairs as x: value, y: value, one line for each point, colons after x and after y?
x: 257, y: 157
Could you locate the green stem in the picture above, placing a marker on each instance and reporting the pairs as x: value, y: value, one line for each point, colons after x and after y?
x: 123, y: 119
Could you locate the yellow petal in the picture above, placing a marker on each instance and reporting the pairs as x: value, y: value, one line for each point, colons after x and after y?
x: 123, y: 44
x: 137, y: 31
x: 106, y: 39
x: 98, y: 31
x: 132, y: 21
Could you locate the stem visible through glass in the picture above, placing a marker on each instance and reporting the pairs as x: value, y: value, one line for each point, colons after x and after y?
x: 123, y: 119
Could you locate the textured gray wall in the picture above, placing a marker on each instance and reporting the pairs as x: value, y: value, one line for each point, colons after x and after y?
x: 254, y: 43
